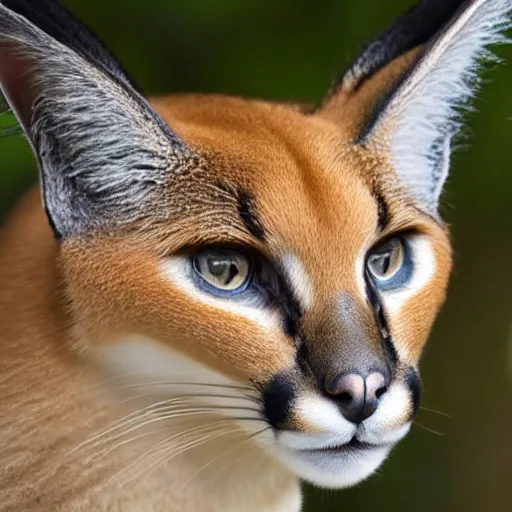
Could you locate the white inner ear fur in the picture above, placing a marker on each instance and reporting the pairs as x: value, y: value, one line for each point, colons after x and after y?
x: 177, y: 269
x: 424, y: 267
x: 420, y: 119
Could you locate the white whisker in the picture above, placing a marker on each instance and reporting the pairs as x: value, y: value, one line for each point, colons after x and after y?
x: 161, y: 459
x: 178, y: 413
x: 223, y: 454
x: 151, y: 410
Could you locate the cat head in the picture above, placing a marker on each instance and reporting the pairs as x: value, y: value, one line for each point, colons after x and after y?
x: 294, y: 260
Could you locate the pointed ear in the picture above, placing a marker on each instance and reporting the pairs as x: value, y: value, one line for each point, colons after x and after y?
x: 414, y: 115
x: 103, y: 153
x: 416, y: 123
x: 351, y: 99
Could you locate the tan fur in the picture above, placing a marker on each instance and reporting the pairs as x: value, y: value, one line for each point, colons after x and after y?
x: 52, y: 399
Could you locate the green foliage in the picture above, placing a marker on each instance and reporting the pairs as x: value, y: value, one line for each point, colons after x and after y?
x: 8, y: 124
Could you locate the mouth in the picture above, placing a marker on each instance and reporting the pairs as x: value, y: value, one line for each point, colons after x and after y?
x: 335, y: 465
x: 354, y: 445
x: 332, y: 452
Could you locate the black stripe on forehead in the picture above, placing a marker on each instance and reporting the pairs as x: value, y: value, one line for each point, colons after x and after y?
x: 245, y: 205
x: 247, y: 211
x: 383, y: 214
x: 278, y: 289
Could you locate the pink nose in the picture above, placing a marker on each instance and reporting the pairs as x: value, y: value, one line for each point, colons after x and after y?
x: 357, y: 396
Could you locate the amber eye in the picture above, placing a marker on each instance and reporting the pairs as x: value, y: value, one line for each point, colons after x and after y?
x: 387, y: 260
x: 224, y: 270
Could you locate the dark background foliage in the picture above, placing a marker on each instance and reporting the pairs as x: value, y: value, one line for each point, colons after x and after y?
x: 290, y: 50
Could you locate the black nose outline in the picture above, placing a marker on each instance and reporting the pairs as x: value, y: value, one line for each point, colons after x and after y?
x: 357, y: 395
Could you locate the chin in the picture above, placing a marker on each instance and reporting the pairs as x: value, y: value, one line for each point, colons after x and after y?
x: 335, y: 467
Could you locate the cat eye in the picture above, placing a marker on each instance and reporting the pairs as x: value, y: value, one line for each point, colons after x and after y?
x: 223, y: 269
x: 389, y: 264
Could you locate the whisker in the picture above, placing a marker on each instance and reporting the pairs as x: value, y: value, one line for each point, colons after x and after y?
x: 130, y: 440
x: 219, y: 407
x: 432, y: 431
x: 440, y: 413
x: 189, y: 446
x: 242, y: 391
x: 180, y: 413
x: 152, y: 432
x: 122, y: 378
x: 222, y: 455
x: 159, y: 460
x: 156, y: 408
x: 165, y: 414
x: 124, y: 421
x: 185, y: 383
x: 240, y: 459
x: 197, y: 429
x: 156, y: 416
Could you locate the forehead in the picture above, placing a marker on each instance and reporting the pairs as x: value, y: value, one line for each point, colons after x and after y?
x: 300, y: 179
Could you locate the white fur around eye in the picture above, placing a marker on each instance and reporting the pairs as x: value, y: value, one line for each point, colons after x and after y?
x: 177, y: 270
x: 299, y: 279
x: 424, y: 266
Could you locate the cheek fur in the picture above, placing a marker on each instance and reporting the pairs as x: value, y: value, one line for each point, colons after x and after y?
x: 129, y: 291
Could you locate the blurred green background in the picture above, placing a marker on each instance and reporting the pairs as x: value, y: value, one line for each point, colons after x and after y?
x: 290, y: 50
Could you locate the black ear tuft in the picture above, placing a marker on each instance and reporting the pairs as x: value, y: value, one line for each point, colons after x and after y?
x: 415, y: 27
x: 53, y: 19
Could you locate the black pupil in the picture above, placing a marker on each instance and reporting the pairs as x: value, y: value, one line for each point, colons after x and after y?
x: 384, y: 262
x: 381, y: 263
x: 223, y: 269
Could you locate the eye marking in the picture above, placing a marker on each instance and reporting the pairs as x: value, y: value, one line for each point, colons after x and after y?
x: 239, y: 280
x: 222, y: 270
x: 396, y: 271
x: 178, y: 271
x: 390, y: 264
x: 422, y: 269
